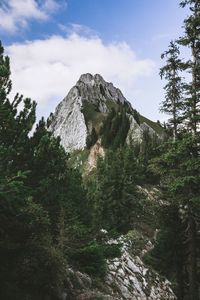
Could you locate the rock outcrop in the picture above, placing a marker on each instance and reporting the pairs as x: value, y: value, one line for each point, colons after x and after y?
x: 95, y: 152
x: 68, y: 122
x: 85, y: 106
x: 134, y: 281
x: 127, y: 279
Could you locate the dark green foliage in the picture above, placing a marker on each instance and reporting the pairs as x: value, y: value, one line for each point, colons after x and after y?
x: 29, y: 261
x: 111, y: 251
x: 158, y: 122
x: 179, y: 169
x: 105, y: 129
x: 45, y: 218
x: 115, y: 200
x: 91, y: 138
x: 31, y: 265
x: 48, y: 220
x: 115, y: 128
x: 168, y: 255
x: 92, y: 257
x: 173, y: 103
x: 91, y: 113
x: 49, y: 177
x: 42, y: 202
x: 158, y: 129
x: 136, y: 116
x: 191, y: 39
x: 147, y: 150
x: 178, y: 166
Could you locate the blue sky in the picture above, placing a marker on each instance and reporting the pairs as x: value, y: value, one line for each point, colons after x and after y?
x: 52, y: 42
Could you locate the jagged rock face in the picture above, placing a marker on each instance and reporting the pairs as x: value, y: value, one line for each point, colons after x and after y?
x: 135, y: 281
x: 68, y: 122
x: 71, y: 121
x: 127, y: 278
x: 135, y: 132
x: 95, y: 89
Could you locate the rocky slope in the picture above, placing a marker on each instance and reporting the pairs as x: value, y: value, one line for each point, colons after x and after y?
x: 127, y: 279
x: 86, y: 106
x: 80, y: 117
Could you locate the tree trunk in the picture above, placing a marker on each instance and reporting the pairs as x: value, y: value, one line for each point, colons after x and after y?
x: 174, y: 109
x: 194, y: 91
x: 180, y: 281
x: 192, y: 259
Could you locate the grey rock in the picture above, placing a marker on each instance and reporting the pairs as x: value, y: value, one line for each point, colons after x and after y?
x: 69, y: 121
x: 127, y: 278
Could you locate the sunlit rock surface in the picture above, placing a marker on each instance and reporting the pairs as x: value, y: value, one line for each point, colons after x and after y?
x: 70, y: 121
x: 127, y: 278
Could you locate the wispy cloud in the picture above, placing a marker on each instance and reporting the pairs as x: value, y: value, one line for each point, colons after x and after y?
x: 74, y: 28
x: 45, y: 70
x: 15, y: 14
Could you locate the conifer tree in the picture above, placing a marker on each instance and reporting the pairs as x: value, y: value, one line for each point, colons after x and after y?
x: 115, y: 199
x: 27, y: 258
x: 179, y: 163
x: 191, y: 39
x: 179, y: 171
x: 44, y: 216
x: 173, y: 103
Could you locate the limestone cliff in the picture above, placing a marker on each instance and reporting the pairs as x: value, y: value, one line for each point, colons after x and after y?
x: 84, y: 109
x: 127, y: 278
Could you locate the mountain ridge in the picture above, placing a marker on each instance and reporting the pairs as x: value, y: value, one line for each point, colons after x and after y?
x: 85, y: 108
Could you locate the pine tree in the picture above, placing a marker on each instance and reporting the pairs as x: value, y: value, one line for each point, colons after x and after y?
x: 44, y: 213
x: 179, y: 170
x: 191, y: 39
x: 179, y: 163
x: 27, y: 256
x: 173, y: 103
x: 114, y: 197
x: 15, y: 125
x: 168, y: 255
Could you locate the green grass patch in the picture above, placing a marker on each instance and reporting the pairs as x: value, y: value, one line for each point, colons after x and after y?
x: 155, y: 126
x: 111, y: 104
x: 78, y: 159
x: 92, y: 115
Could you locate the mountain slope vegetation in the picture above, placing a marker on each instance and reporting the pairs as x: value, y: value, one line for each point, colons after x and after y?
x: 64, y: 232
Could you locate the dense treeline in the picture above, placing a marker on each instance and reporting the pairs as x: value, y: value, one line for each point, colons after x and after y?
x: 44, y: 216
x: 50, y: 220
x: 176, y: 253
x: 114, y: 196
x: 36, y: 193
x: 115, y: 128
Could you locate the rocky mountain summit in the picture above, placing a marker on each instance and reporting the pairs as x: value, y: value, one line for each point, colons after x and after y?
x: 83, y: 111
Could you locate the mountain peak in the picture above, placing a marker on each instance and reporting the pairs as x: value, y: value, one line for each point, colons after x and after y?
x: 85, y: 108
x: 88, y: 78
x: 95, y: 87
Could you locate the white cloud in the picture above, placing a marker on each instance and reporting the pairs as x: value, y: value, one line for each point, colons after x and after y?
x: 15, y: 14
x: 45, y: 70
x: 74, y: 28
x: 52, y: 5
